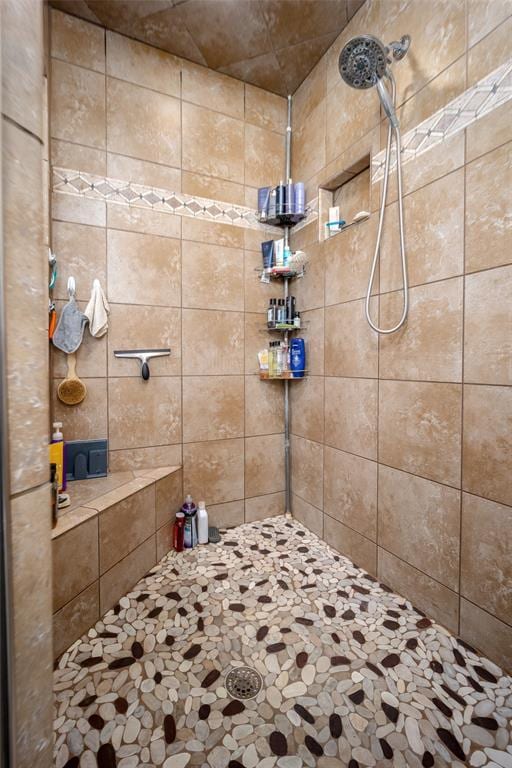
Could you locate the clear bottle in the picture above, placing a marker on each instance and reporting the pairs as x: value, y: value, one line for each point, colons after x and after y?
x: 202, y: 523
x: 272, y: 359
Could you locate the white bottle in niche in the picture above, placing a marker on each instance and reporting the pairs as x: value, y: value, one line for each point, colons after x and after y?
x: 202, y: 523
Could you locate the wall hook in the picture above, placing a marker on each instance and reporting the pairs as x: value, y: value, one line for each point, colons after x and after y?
x: 71, y: 288
x: 143, y: 355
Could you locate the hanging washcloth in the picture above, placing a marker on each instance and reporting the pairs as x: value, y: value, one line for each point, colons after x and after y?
x: 97, y: 311
x: 70, y: 328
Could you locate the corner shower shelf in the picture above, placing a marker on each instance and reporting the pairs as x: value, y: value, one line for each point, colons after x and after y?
x: 283, y: 220
x: 288, y: 376
x: 289, y: 274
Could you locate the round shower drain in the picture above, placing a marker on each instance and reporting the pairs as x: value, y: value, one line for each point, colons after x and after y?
x: 243, y: 683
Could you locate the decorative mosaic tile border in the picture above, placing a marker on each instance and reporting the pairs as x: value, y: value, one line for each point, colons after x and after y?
x: 482, y: 98
x: 80, y: 184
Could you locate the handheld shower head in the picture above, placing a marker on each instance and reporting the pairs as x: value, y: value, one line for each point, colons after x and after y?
x: 363, y: 61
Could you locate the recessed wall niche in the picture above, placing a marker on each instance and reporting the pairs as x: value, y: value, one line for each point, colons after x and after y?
x: 349, y: 190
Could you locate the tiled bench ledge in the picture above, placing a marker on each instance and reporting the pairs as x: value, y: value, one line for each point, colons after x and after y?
x: 115, y: 531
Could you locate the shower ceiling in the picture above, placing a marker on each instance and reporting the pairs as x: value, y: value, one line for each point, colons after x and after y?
x: 273, y: 44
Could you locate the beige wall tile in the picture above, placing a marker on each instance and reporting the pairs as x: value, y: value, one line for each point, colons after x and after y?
x: 350, y: 491
x: 143, y: 172
x: 428, y: 595
x: 31, y: 594
x: 494, y: 50
x: 264, y: 156
x: 164, y: 541
x: 143, y: 220
x: 223, y: 352
x: 486, y: 566
x: 419, y: 522
x: 213, y: 408
x: 486, y: 633
x: 168, y: 497
x: 144, y: 413
x: 428, y: 167
x: 308, y: 515
x: 488, y: 327
x: 434, y: 243
x: 488, y: 225
x: 309, y: 290
x: 212, y: 233
x: 77, y: 104
x: 351, y: 415
x: 226, y: 515
x: 213, y: 144
x: 214, y: 470
x: 76, y: 41
x: 128, y: 108
x: 142, y: 64
x: 307, y: 408
x: 212, y: 188
x: 429, y: 345
x: 212, y: 276
x: 438, y: 29
x: 162, y: 269
x: 143, y: 458
x: 489, y: 132
x: 65, y: 154
x: 313, y: 334
x: 264, y: 406
x: 420, y: 428
x: 348, y: 258
x: 22, y: 64
x: 487, y: 449
x: 79, y: 210
x: 357, y: 548
x: 25, y: 275
x: 307, y: 460
x: 351, y: 347
x: 483, y: 17
x: 124, y: 575
x: 264, y: 465
x: 351, y: 114
x: 257, y: 294
x: 308, y: 155
x: 88, y: 419
x: 75, y: 618
x: 255, y: 340
x: 265, y: 109
x: 74, y: 561
x: 210, y: 89
x: 261, y: 507
x: 138, y: 327
x: 310, y: 93
x: 81, y: 252
x: 135, y: 517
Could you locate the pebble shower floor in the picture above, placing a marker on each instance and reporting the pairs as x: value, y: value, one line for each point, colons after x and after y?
x: 352, y: 674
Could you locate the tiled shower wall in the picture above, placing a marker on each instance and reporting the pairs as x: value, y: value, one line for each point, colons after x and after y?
x: 24, y: 260
x: 402, y: 445
x: 131, y: 112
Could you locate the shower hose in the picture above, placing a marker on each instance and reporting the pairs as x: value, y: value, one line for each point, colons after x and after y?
x: 376, y: 256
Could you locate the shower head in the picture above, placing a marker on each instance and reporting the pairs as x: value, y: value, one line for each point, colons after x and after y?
x: 363, y: 63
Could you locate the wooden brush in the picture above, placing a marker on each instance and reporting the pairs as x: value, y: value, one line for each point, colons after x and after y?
x: 71, y: 390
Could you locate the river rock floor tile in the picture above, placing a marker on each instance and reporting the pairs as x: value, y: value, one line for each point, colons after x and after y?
x: 352, y: 674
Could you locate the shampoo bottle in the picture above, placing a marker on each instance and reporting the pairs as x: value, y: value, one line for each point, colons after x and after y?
x: 202, y: 524
x: 189, y: 509
x: 57, y: 454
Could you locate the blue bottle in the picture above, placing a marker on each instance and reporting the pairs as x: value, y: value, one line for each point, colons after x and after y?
x: 297, y: 358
